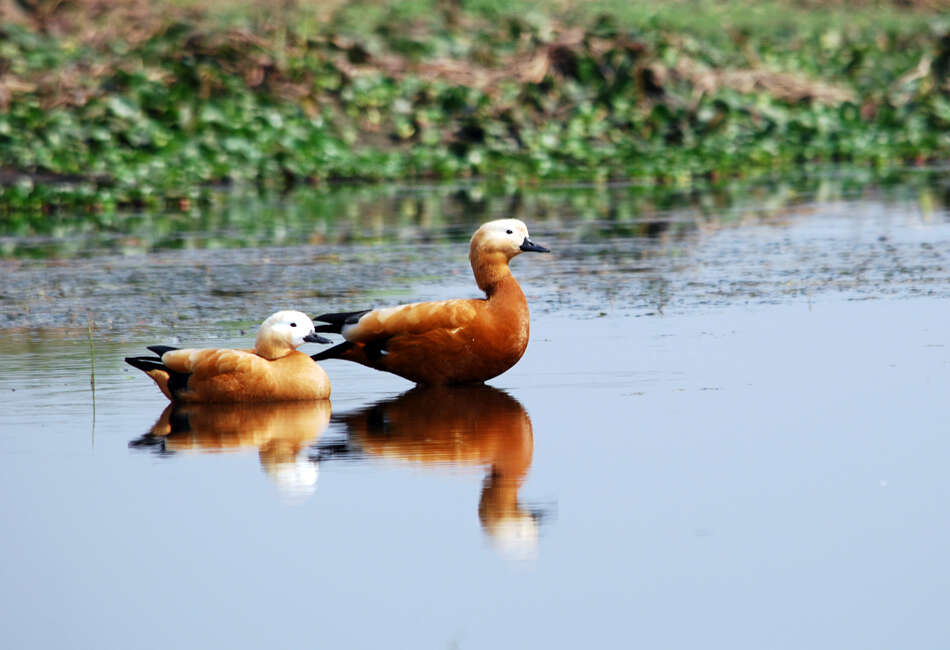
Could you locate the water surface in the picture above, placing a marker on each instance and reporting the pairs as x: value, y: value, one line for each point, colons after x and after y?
x: 727, y: 431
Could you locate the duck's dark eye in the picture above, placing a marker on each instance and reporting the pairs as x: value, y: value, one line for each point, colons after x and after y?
x: 293, y: 324
x: 508, y: 232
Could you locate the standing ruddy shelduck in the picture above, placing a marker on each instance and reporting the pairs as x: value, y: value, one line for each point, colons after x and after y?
x: 273, y: 371
x: 449, y: 341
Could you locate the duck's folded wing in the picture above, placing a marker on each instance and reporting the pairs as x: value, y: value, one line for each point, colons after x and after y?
x: 414, y: 318
x: 212, y: 361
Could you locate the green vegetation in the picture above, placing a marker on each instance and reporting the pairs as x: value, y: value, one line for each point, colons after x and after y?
x: 136, y: 104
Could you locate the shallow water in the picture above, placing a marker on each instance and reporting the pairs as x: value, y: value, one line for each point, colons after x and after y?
x: 729, y: 435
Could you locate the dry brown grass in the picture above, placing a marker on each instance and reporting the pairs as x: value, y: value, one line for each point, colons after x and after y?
x: 99, y: 23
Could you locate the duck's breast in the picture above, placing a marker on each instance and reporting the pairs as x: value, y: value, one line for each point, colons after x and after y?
x: 297, y: 376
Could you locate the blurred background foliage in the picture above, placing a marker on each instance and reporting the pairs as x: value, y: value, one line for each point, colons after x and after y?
x: 159, y: 106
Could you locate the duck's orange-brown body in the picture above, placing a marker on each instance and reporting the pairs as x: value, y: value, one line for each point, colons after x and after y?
x: 447, y: 342
x: 241, y: 376
x: 451, y: 341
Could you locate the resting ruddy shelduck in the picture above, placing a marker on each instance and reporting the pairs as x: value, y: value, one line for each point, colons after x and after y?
x: 273, y: 371
x: 449, y: 341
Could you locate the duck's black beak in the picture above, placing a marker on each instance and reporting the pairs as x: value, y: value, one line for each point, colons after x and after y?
x: 313, y: 337
x: 529, y: 246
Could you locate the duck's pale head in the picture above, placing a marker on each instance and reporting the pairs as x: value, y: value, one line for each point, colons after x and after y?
x: 508, y: 237
x: 284, y: 332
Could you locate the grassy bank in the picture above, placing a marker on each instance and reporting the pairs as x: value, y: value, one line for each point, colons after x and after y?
x: 104, y: 105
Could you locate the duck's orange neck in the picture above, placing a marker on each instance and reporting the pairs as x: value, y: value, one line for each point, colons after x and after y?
x: 270, y: 347
x: 492, y: 272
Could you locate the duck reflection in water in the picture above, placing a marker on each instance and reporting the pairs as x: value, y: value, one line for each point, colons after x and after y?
x: 455, y: 426
x: 279, y: 431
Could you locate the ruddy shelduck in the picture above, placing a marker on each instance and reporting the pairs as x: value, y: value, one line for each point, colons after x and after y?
x: 273, y: 371
x: 449, y: 341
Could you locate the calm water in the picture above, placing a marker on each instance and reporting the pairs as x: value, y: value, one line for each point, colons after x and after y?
x: 729, y: 431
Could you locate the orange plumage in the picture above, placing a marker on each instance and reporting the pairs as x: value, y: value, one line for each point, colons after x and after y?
x: 449, y: 341
x: 273, y: 371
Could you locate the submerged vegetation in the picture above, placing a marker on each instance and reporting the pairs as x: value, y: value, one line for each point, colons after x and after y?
x: 104, y: 105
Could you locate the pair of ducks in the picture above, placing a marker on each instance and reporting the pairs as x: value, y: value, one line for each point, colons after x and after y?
x: 434, y: 343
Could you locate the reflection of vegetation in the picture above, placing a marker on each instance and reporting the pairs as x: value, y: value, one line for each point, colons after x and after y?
x: 139, y: 103
x: 370, y: 214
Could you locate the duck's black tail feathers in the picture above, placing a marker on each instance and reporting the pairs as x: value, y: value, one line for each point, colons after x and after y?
x: 177, y: 381
x: 146, y: 364
x: 337, y: 321
x: 160, y: 349
x: 335, y: 352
